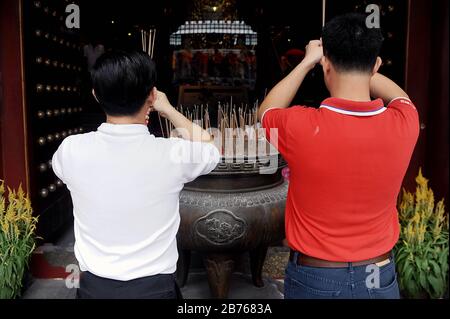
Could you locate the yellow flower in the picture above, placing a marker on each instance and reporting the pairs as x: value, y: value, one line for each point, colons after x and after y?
x: 409, y: 233
x: 4, y: 226
x: 420, y: 180
x: 416, y: 218
x: 17, y: 240
x: 2, y: 188
x: 419, y: 215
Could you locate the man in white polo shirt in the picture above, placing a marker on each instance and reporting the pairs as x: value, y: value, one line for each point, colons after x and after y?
x: 125, y: 184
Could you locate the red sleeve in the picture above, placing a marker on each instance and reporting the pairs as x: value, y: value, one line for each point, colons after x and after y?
x: 407, y: 110
x: 403, y: 104
x: 275, y: 122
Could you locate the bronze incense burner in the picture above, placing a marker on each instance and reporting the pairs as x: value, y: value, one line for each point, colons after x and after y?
x: 238, y: 207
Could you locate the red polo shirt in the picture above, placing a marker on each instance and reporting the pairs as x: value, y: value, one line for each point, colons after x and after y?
x: 347, y: 162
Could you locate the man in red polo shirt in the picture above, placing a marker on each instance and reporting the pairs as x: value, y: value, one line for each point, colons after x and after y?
x: 347, y: 160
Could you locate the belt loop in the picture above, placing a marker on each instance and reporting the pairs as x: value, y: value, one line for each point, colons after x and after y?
x: 296, y: 258
x: 350, y: 266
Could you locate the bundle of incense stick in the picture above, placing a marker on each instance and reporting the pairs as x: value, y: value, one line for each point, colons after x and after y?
x: 148, y: 46
x: 148, y: 41
x: 229, y: 116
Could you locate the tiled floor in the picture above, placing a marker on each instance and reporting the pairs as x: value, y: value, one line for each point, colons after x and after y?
x: 241, y: 287
x: 49, y: 289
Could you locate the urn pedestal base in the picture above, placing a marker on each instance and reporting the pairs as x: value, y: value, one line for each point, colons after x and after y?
x: 222, y: 225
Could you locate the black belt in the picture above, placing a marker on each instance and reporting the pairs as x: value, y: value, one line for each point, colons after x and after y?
x: 309, y: 261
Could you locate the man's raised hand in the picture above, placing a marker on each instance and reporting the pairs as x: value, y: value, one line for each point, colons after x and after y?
x: 314, y: 53
x: 162, y: 104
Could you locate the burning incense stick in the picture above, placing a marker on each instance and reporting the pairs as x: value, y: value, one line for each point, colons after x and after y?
x: 324, y: 10
x: 148, y: 41
x: 153, y: 43
x: 148, y: 46
x: 160, y: 125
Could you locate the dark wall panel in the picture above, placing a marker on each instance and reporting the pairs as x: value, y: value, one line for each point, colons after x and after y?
x: 53, y: 61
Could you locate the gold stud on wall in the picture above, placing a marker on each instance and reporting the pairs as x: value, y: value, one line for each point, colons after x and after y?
x: 44, y: 193
x: 41, y: 141
x: 43, y: 167
x: 57, y: 58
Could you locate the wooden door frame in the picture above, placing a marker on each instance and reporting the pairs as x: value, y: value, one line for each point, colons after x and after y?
x: 13, y: 117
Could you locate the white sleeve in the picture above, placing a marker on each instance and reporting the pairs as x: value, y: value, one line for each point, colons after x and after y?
x: 58, y: 161
x: 193, y: 158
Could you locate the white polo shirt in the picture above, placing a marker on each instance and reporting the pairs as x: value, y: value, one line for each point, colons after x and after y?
x: 125, y: 185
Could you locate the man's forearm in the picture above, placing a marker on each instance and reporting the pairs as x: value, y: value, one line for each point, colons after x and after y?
x: 386, y: 89
x: 186, y: 128
x: 284, y: 92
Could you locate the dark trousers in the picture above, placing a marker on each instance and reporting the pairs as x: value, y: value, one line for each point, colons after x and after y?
x: 162, y: 286
x: 351, y: 282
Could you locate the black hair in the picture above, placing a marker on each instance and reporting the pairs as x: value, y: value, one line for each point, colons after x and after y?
x: 350, y: 45
x: 122, y: 81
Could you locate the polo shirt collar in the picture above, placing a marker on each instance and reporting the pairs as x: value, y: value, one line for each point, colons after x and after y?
x: 123, y: 129
x: 355, y: 108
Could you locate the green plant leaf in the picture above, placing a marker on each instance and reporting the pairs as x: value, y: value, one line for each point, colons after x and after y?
x: 438, y: 286
x: 423, y: 280
x: 435, y: 267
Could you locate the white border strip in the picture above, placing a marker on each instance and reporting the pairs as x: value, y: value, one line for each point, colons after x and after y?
x: 262, y: 116
x: 381, y: 110
x: 400, y: 98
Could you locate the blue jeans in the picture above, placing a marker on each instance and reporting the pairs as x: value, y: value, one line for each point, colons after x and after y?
x: 362, y: 282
